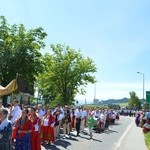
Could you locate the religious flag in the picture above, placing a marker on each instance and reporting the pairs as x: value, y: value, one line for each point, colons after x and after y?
x: 12, y: 86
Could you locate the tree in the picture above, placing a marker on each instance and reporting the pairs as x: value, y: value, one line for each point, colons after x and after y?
x: 65, y: 71
x: 19, y: 52
x: 134, y: 101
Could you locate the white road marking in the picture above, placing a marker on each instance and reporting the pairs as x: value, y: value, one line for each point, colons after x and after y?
x: 123, y: 136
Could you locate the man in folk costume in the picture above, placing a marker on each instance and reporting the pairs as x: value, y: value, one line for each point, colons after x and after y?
x: 64, y: 122
x: 68, y: 122
x: 16, y: 111
x: 58, y: 118
x: 47, y: 128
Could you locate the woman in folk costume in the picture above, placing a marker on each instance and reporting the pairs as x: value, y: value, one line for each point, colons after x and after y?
x: 24, y: 128
x: 5, y: 130
x: 102, y: 121
x: 35, y: 141
x: 47, y: 128
x: 137, y: 119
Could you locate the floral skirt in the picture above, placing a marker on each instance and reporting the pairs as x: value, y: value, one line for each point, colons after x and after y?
x: 47, y: 134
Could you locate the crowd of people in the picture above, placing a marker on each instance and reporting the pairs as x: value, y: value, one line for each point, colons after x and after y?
x: 142, y: 119
x: 29, y: 127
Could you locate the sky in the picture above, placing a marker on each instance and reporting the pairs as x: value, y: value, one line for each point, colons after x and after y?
x: 114, y: 33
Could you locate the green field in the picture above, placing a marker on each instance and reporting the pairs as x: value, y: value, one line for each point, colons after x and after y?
x: 122, y: 104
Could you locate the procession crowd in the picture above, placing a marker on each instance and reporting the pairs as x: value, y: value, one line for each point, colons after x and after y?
x: 31, y: 126
x: 142, y: 118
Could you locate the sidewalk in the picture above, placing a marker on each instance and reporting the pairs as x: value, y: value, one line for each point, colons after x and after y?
x: 133, y: 139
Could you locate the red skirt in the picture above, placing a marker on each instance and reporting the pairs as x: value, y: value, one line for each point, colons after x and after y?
x: 73, y: 121
x: 47, y: 134
x: 35, y: 141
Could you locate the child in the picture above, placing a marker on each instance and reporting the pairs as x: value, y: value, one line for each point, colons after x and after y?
x: 90, y: 124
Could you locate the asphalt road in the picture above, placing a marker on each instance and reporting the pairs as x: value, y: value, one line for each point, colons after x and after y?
x: 101, y: 141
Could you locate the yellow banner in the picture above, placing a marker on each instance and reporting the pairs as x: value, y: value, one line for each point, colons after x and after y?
x: 12, y: 86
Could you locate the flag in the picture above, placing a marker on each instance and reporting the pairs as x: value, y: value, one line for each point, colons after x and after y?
x: 12, y: 86
x: 23, y: 87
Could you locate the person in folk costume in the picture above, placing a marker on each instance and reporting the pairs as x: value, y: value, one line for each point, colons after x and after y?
x: 117, y: 116
x: 137, y: 119
x: 5, y: 130
x: 58, y: 118
x: 23, y: 134
x: 102, y: 121
x: 68, y: 122
x: 35, y: 141
x: 47, y: 128
x: 73, y: 118
x: 65, y: 123
x: 146, y: 126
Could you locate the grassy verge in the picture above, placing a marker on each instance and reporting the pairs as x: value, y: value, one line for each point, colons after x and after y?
x: 147, y: 140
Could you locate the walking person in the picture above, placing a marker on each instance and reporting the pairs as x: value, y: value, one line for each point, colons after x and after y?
x: 78, y: 115
x: 5, y: 130
x: 90, y: 124
x: 35, y: 141
x: 47, y: 128
x: 24, y: 128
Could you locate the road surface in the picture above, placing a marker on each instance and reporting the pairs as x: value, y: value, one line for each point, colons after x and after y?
x: 109, y: 140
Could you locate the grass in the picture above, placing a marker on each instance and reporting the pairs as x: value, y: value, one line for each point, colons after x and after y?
x: 122, y: 104
x: 147, y: 140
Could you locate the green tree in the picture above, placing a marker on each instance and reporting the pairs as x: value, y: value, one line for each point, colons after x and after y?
x: 66, y: 71
x: 19, y: 52
x: 134, y: 101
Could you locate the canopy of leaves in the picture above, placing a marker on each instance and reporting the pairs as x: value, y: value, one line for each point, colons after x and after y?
x: 19, y: 52
x: 65, y: 71
x: 134, y: 101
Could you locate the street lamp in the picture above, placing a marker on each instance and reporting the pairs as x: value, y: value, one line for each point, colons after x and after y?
x: 143, y: 82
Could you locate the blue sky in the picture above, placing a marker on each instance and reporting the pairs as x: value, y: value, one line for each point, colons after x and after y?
x: 115, y: 34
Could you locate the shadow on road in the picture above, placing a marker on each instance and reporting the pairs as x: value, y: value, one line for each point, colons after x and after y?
x: 96, y: 140
x: 110, y: 131
x: 51, y: 147
x: 61, y: 142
